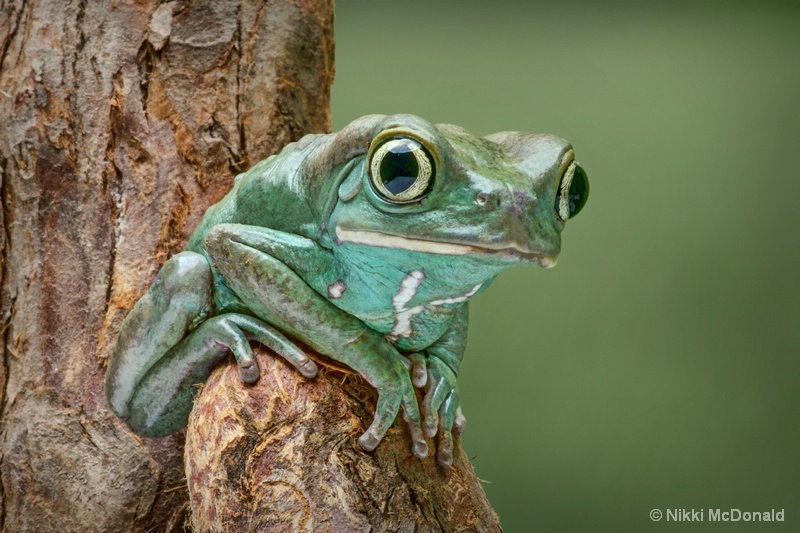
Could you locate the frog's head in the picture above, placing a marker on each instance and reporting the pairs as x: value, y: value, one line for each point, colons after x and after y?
x: 439, y: 189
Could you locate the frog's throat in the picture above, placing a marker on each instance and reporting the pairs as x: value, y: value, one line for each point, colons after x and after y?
x: 384, y: 240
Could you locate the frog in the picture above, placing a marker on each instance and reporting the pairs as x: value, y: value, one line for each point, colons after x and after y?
x: 365, y: 246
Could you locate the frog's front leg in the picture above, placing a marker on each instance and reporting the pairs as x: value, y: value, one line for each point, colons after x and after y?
x: 437, y: 370
x: 167, y: 345
x: 262, y: 267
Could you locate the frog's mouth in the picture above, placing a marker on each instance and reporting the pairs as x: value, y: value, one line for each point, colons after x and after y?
x: 386, y: 240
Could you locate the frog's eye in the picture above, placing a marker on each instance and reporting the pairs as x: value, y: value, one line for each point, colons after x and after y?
x: 401, y: 170
x: 572, y: 192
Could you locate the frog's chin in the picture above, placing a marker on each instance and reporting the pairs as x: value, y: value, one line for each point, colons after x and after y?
x: 386, y: 240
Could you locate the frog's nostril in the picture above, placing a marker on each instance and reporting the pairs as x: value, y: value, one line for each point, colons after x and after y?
x: 492, y: 199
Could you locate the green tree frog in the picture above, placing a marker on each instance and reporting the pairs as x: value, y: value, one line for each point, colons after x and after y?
x: 364, y: 245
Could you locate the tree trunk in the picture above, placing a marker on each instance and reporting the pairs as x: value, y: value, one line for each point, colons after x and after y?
x: 122, y: 121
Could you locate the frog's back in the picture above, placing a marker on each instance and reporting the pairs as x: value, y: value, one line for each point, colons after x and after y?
x: 273, y: 194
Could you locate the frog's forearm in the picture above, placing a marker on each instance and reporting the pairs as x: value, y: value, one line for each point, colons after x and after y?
x: 449, y: 348
x: 251, y: 259
x: 261, y: 266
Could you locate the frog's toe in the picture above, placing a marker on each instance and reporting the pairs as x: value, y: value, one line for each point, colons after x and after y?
x: 369, y: 441
x: 412, y: 417
x: 405, y: 360
x: 420, y: 449
x: 437, y: 393
x: 385, y: 413
x: 248, y: 370
x: 460, y: 422
x: 389, y: 403
x: 448, y: 410
x: 444, y: 455
x: 447, y: 428
x: 419, y: 370
x: 236, y: 341
x: 431, y: 425
x: 307, y: 368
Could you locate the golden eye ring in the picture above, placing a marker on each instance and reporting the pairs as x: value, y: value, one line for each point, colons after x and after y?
x: 401, y: 170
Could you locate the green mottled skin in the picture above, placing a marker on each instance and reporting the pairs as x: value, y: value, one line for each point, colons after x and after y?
x: 265, y: 264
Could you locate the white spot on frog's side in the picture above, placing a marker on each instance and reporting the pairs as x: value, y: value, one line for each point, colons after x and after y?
x: 335, y: 290
x: 458, y: 299
x: 408, y: 288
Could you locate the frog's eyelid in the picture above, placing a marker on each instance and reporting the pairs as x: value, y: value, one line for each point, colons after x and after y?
x: 569, y: 202
x: 563, y: 195
x: 567, y: 158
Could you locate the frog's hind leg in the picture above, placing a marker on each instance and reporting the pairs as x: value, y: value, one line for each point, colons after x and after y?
x: 163, y: 400
x: 155, y: 365
x: 179, y: 298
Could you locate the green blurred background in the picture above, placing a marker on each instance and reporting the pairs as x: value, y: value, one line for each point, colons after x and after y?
x: 657, y: 366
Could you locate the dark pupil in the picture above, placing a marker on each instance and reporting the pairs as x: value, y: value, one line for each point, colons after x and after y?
x: 399, y: 168
x: 578, y: 191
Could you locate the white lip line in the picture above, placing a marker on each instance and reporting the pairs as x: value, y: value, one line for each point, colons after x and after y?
x: 384, y: 240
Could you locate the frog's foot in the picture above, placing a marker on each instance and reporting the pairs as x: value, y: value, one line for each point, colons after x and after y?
x: 394, y: 393
x: 235, y: 329
x: 451, y: 422
x: 441, y: 408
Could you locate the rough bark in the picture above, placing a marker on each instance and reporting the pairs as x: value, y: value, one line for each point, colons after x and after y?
x: 122, y: 121
x: 283, y: 456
